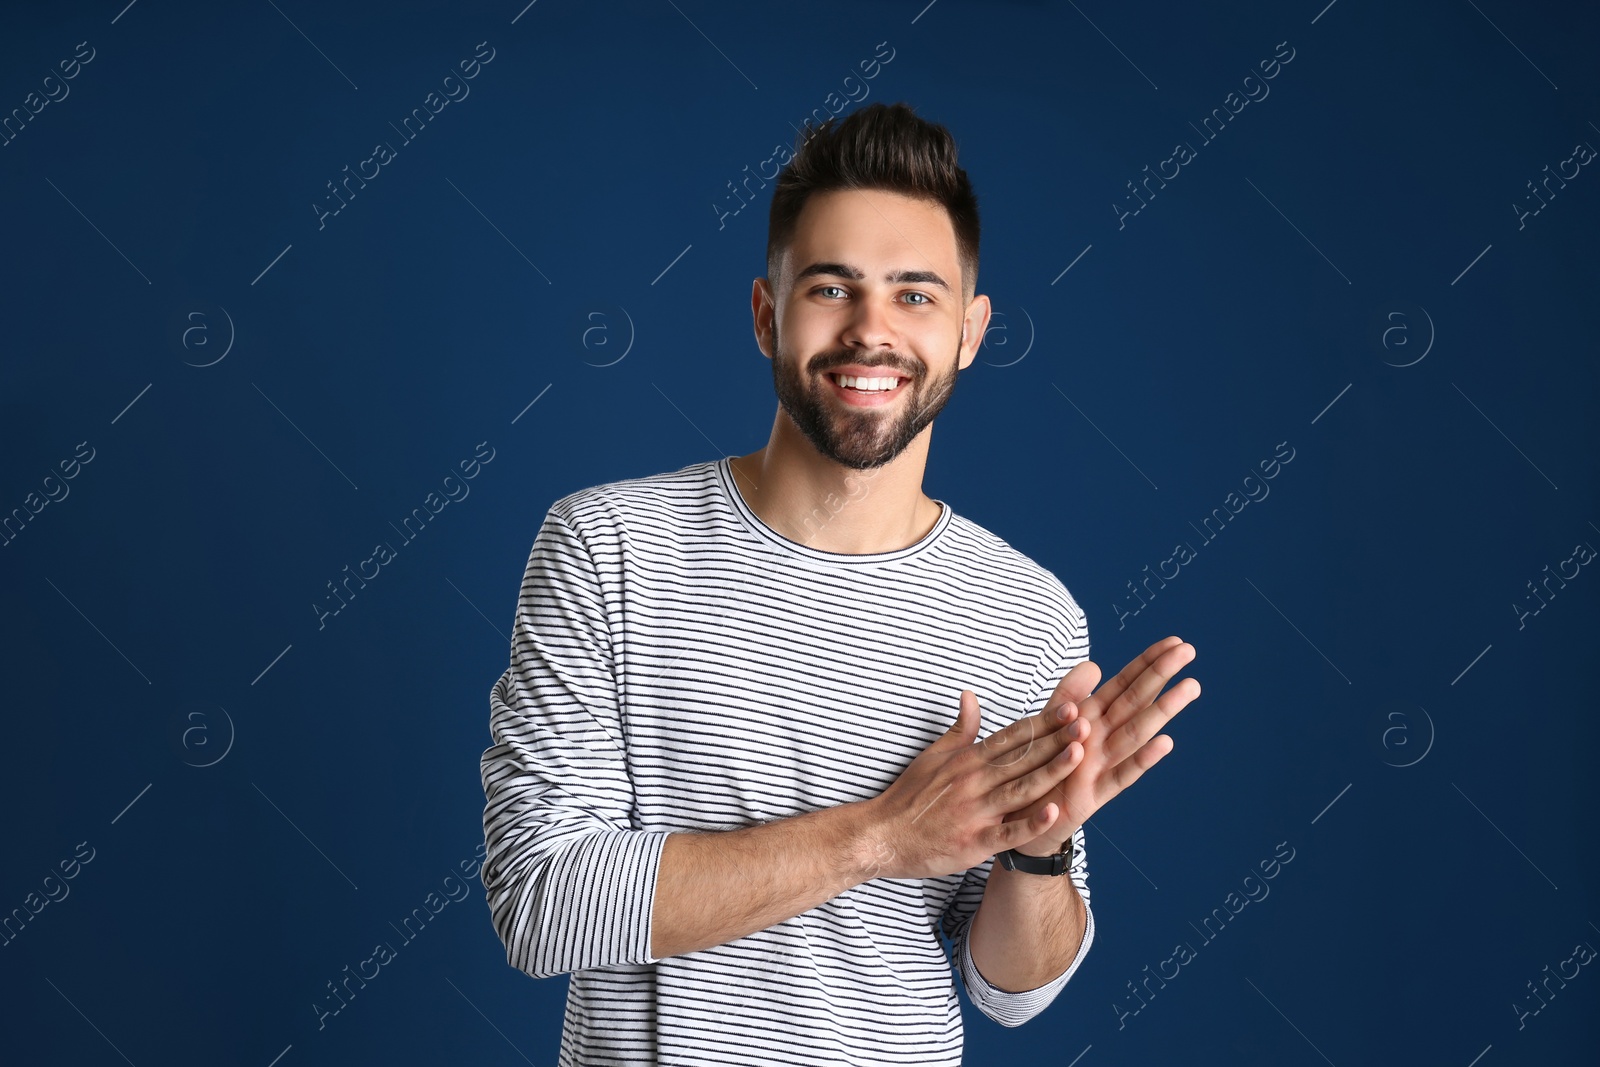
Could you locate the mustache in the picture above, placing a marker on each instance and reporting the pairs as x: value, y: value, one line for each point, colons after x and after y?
x: 825, y: 364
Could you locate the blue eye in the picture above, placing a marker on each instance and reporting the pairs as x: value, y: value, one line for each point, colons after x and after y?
x: 924, y: 296
x: 825, y: 288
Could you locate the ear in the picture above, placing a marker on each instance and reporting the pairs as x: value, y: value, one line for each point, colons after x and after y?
x: 762, y: 309
x: 973, y: 326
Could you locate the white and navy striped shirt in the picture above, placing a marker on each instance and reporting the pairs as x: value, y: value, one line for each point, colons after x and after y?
x: 677, y: 664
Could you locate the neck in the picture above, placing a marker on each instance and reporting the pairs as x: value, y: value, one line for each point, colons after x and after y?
x: 816, y: 502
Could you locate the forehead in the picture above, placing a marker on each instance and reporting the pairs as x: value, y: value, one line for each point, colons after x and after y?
x: 875, y: 230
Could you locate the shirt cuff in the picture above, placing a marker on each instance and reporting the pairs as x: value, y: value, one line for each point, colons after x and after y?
x: 597, y: 902
x: 1014, y: 1009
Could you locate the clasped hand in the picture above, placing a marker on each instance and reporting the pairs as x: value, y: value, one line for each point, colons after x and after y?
x: 1031, y: 785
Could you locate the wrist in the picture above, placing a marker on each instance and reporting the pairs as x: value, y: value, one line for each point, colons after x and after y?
x: 865, y: 847
x: 1054, y: 864
x: 1042, y: 847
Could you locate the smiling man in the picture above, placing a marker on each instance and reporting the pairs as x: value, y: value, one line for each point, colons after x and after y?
x: 739, y: 786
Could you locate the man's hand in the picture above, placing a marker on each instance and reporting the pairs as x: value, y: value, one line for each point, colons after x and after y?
x: 947, y: 811
x: 1118, y: 746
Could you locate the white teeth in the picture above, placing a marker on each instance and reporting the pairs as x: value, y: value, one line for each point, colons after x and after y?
x: 867, y: 384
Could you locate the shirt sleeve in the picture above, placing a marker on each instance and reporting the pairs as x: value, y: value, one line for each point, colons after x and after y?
x: 570, y: 881
x: 1068, y: 646
x: 1011, y: 1008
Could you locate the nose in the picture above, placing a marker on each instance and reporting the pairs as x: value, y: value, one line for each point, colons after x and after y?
x: 871, y: 327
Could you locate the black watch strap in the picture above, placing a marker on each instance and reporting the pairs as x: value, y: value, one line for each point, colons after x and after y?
x: 1054, y: 865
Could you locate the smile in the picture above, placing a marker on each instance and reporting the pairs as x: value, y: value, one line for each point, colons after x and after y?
x: 867, y: 392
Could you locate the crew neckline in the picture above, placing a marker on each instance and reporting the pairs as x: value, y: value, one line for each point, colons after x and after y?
x: 757, y: 526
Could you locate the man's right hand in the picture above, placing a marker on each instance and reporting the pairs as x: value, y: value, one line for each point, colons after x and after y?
x: 946, y: 811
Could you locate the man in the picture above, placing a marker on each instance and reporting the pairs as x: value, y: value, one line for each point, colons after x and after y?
x: 725, y: 792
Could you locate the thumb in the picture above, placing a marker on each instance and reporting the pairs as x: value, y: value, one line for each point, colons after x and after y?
x: 965, y: 727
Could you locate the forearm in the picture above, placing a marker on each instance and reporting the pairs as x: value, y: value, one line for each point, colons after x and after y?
x: 1027, y: 930
x: 715, y: 887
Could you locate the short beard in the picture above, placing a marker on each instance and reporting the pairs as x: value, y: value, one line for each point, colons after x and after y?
x: 858, y: 438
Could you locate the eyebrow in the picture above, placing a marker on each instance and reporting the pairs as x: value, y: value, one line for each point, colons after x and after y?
x: 894, y: 277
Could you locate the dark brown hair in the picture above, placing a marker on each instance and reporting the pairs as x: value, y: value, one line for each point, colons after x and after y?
x: 880, y: 146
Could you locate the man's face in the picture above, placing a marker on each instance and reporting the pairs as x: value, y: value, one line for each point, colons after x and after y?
x: 860, y: 291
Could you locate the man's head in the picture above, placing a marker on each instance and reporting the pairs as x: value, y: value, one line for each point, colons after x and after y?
x: 872, y: 264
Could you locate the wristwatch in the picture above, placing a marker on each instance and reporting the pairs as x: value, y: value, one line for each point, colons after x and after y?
x: 1054, y: 864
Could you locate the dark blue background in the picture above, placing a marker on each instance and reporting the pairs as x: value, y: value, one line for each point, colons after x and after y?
x: 1357, y: 639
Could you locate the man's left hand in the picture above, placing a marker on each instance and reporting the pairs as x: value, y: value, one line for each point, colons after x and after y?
x: 1118, y: 735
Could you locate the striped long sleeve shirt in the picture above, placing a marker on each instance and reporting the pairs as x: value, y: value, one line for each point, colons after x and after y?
x: 678, y: 665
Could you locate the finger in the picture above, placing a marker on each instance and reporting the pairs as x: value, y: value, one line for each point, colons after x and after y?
x: 1137, y: 731
x: 1021, y: 792
x: 1108, y: 693
x: 1020, y: 831
x: 1136, y: 667
x: 965, y: 726
x: 1017, y: 746
x: 1076, y: 684
x: 1144, y: 688
x: 1129, y: 770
